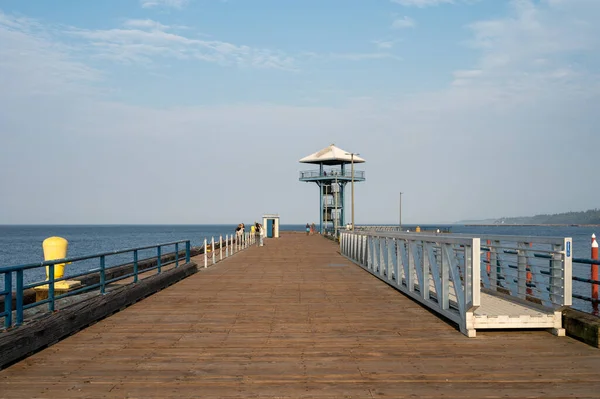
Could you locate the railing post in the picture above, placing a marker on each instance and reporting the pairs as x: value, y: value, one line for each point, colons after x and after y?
x: 556, y: 275
x: 187, y: 251
x: 476, y: 272
x: 493, y: 265
x: 158, y: 260
x: 522, y: 271
x: 594, y: 274
x: 364, y: 249
x: 226, y: 245
x: 567, y: 274
x: 382, y: 264
x: 135, y: 266
x: 19, y: 293
x: 425, y: 270
x: 51, y: 288
x: 212, y: 249
x: 488, y: 258
x: 220, y: 247
x: 390, y: 260
x: 8, y: 299
x: 445, y: 280
x: 205, y: 254
x: 176, y: 254
x: 102, y: 274
x: 410, y: 258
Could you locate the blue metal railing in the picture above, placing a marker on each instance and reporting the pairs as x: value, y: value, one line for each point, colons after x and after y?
x: 18, y: 273
x: 595, y: 301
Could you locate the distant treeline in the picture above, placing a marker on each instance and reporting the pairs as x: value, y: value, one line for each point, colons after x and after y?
x: 591, y: 216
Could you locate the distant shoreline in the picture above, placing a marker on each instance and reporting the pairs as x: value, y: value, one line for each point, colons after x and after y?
x: 533, y: 224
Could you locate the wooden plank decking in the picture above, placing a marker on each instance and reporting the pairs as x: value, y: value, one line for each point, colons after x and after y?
x: 293, y: 319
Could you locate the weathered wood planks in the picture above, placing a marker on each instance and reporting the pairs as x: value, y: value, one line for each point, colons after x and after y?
x: 287, y: 321
x: 19, y: 342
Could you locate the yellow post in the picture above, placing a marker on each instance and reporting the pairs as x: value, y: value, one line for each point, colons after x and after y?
x: 418, y: 229
x: 55, y: 248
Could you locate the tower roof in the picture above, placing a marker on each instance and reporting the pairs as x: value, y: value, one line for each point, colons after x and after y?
x: 331, y: 155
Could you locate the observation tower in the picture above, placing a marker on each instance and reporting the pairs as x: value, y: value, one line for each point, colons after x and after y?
x: 336, y: 169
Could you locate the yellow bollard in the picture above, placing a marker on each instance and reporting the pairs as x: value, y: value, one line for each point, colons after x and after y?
x: 55, y: 248
x: 418, y: 229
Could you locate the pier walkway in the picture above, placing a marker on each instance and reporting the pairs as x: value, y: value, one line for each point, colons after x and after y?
x: 294, y: 319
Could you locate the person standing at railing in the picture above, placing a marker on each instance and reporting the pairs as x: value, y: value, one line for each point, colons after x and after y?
x: 239, y: 233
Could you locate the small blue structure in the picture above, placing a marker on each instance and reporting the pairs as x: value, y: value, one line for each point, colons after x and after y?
x: 336, y: 169
x: 271, y: 223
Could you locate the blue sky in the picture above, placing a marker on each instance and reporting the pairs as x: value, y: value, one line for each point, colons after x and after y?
x: 170, y: 111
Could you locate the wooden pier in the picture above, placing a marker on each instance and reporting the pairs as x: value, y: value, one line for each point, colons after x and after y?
x: 294, y: 319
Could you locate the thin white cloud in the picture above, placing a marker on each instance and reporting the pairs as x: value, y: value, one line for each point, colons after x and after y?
x: 403, y: 23
x: 179, y: 4
x: 384, y: 44
x: 145, y: 24
x: 144, y: 41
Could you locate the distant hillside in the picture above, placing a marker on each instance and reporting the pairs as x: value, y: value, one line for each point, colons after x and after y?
x: 591, y: 216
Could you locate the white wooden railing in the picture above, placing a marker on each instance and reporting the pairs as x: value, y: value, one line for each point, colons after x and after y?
x: 425, y: 267
x: 455, y: 269
x: 231, y: 245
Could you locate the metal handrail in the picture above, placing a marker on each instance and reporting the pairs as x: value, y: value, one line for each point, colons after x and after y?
x: 4, y: 269
x: 18, y: 270
x: 228, y: 247
x: 592, y: 282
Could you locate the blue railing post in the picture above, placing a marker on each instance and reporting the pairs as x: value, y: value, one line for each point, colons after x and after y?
x: 135, y: 266
x: 187, y: 251
x: 51, y: 287
x: 102, y: 274
x: 176, y: 254
x: 158, y: 262
x: 8, y: 299
x: 19, y: 320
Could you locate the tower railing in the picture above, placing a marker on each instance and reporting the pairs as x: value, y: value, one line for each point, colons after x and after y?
x: 311, y: 174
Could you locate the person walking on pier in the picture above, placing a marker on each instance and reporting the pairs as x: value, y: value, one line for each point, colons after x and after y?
x: 256, y: 230
x: 261, y: 234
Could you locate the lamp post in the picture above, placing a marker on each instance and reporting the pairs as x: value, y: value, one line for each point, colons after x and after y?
x: 352, y: 154
x: 400, y: 213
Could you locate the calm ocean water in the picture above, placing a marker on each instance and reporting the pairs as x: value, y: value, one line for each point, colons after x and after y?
x: 23, y: 244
